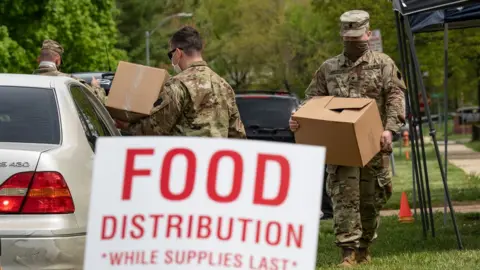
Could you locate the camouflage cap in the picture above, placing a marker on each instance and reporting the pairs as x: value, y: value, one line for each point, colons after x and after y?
x: 354, y: 23
x: 53, y: 46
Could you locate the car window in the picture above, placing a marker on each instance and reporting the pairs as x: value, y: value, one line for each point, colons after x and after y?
x: 268, y: 112
x: 103, y: 113
x: 92, y: 122
x: 28, y: 115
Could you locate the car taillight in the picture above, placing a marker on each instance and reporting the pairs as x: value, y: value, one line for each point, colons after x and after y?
x: 13, y: 191
x: 36, y: 193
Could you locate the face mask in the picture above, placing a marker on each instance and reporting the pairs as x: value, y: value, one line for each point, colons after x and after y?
x: 355, y: 49
x: 176, y: 67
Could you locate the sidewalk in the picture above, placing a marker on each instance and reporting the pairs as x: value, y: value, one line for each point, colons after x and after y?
x: 463, y: 157
x: 457, y: 209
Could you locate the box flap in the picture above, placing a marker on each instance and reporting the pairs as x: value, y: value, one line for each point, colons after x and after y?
x: 348, y: 103
x: 312, y: 107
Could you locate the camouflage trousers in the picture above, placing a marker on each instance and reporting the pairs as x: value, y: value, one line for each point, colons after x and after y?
x: 358, y: 195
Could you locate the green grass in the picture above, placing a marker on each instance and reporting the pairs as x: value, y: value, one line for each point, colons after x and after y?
x: 402, y: 246
x: 474, y: 145
x: 464, y: 189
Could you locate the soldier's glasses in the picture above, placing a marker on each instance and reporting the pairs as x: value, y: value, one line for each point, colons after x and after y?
x: 170, y: 53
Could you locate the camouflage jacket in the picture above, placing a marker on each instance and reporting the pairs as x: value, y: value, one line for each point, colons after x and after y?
x: 374, y: 75
x: 196, y: 102
x: 51, y: 70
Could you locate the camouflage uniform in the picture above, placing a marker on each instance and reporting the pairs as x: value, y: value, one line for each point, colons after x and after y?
x: 50, y: 69
x: 358, y: 194
x: 196, y: 102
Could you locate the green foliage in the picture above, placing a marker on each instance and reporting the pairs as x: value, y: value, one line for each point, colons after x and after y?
x: 12, y: 56
x: 253, y: 44
x: 138, y: 16
x: 85, y: 28
x: 260, y: 44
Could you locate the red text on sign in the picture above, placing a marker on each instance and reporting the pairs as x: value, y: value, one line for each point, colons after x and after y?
x: 202, y: 227
x: 190, y: 176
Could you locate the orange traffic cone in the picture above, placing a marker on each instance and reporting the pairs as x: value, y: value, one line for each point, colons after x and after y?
x: 405, y: 215
x: 405, y: 143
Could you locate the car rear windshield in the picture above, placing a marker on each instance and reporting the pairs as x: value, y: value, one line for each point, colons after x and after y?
x: 28, y: 115
x: 270, y: 112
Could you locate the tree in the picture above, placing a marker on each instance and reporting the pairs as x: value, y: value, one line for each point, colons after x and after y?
x: 12, y: 56
x: 85, y: 28
x: 138, y: 16
x: 260, y: 44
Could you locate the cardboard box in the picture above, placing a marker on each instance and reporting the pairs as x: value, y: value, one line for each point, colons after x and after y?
x: 350, y: 128
x: 134, y: 90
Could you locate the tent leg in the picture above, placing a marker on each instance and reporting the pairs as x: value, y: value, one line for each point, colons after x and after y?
x: 432, y: 134
x: 418, y: 169
x: 417, y: 132
x: 445, y: 109
x: 406, y: 74
x: 422, y: 155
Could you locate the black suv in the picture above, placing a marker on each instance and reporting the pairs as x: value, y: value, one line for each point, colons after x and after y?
x: 265, y: 115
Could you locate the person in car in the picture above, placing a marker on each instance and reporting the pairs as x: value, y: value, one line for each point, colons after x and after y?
x: 49, y: 62
x: 196, y: 102
x: 358, y: 194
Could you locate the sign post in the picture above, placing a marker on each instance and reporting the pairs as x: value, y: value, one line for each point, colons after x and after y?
x: 375, y: 41
x: 196, y: 203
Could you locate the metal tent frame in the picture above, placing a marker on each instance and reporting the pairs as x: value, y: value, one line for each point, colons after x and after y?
x: 415, y: 16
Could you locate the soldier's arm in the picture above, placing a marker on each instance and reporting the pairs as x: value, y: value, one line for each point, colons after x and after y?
x: 318, y: 85
x: 96, y: 91
x: 164, y: 115
x: 395, y: 96
x: 100, y: 93
x: 235, y: 128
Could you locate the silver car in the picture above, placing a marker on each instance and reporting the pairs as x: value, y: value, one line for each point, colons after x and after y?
x: 48, y: 129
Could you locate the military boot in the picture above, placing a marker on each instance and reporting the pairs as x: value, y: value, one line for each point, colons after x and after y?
x: 363, y: 255
x: 348, y: 258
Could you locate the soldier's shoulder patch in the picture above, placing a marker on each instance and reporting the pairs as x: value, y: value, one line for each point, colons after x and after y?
x: 338, y: 71
x: 371, y: 67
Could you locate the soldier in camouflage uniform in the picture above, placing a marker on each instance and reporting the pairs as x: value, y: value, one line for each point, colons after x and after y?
x: 358, y: 194
x: 195, y: 102
x: 50, y: 59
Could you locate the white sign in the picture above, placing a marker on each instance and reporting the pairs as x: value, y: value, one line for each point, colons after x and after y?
x: 376, y: 41
x: 197, y: 203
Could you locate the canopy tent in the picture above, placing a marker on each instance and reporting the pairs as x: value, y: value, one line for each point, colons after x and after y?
x: 457, y: 18
x: 408, y: 7
x: 416, y: 16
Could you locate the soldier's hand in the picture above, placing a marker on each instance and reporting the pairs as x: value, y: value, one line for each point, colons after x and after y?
x: 95, y: 82
x: 294, y: 126
x: 386, y: 141
x: 121, y: 124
